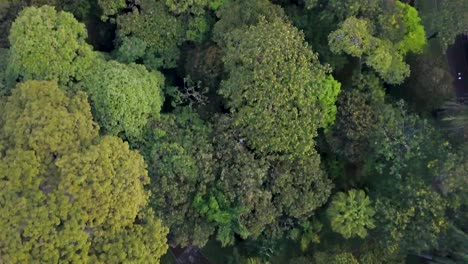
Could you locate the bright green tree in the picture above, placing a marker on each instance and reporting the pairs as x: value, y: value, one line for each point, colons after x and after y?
x: 124, y: 97
x: 277, y: 91
x: 68, y: 195
x: 351, y: 214
x: 48, y: 45
x: 335, y: 258
x: 414, y: 39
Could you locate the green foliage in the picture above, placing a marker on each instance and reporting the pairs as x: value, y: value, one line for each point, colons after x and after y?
x: 412, y: 164
x: 412, y: 218
x: 161, y: 32
x: 241, y: 13
x: 414, y: 39
x: 351, y: 214
x: 179, y: 157
x: 131, y: 49
x: 354, y: 37
x: 274, y: 194
x: 298, y: 188
x: 269, y: 59
x: 3, y: 66
x: 348, y: 8
x: 241, y: 175
x: 111, y: 7
x: 338, y: 258
x: 316, y: 28
x: 124, y: 97
x: 308, y: 232
x: 406, y: 143
x: 217, y: 209
x: 196, y: 7
x: 449, y: 18
x: 67, y: 195
x: 48, y: 45
x: 388, y: 63
x: 381, y: 36
x: 356, y: 118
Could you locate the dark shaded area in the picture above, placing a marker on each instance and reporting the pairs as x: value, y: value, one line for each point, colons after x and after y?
x: 101, y: 34
x: 189, y: 255
x: 457, y: 55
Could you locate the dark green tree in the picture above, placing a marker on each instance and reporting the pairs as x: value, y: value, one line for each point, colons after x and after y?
x: 179, y: 156
x: 447, y: 19
x: 161, y: 33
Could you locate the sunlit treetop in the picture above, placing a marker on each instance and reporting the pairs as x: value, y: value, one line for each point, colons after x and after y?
x: 277, y: 90
x: 48, y: 45
x: 69, y: 195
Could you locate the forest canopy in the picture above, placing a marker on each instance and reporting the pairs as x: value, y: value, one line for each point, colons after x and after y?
x: 233, y: 131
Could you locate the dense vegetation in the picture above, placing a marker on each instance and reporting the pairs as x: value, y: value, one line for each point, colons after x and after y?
x: 273, y: 131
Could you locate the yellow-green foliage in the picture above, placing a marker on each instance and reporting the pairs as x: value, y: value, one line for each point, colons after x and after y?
x: 414, y: 39
x: 351, y: 214
x: 67, y: 195
x: 48, y: 45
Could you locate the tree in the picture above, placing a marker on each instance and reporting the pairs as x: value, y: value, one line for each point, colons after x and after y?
x: 67, y: 194
x: 48, y: 45
x: 179, y: 156
x: 354, y: 37
x: 274, y: 195
x: 111, y: 7
x: 381, y: 39
x: 351, y: 214
x: 124, y: 97
x: 348, y: 8
x: 412, y: 218
x: 277, y: 90
x: 240, y: 13
x: 195, y: 7
x: 241, y: 176
x: 430, y: 74
x: 414, y: 37
x: 307, y: 233
x: 356, y: 118
x: 161, y: 32
x: 338, y: 258
x: 447, y: 20
x: 388, y: 63
x: 411, y: 165
x: 317, y: 25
